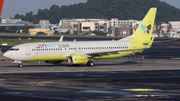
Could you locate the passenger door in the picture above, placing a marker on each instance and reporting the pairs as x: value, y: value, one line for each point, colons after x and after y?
x: 27, y: 50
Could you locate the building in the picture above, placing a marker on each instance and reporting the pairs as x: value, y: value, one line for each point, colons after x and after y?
x: 174, y: 35
x: 6, y: 20
x: 103, y: 27
x: 164, y: 27
x: 44, y: 22
x: 16, y: 20
x: 87, y: 26
x: 69, y: 23
x: 64, y: 30
x: 9, y: 20
x: 12, y: 24
x: 175, y: 25
x: 34, y: 31
x: 135, y: 25
x: 114, y: 22
x: 123, y: 31
x: 66, y: 23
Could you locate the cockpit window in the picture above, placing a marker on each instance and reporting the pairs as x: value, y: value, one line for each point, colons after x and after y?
x: 14, y: 49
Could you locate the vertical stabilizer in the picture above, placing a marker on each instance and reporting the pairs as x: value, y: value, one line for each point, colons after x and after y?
x: 1, y: 6
x: 144, y: 31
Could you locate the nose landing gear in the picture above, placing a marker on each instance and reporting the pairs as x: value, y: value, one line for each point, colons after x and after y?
x: 20, y: 65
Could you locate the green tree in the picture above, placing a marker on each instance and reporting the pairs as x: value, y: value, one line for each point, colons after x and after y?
x: 2, y: 28
x: 90, y: 32
x: 107, y: 9
x: 100, y: 33
x: 56, y: 32
x: 75, y: 26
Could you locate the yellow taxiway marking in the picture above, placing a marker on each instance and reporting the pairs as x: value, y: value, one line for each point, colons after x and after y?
x: 141, y: 90
x: 145, y: 95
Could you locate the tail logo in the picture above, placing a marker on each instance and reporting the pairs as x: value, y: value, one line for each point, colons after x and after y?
x: 146, y: 28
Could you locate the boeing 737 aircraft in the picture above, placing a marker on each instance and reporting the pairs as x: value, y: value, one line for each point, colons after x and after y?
x: 84, y: 52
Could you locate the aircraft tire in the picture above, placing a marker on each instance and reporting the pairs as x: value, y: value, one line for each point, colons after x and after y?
x: 90, y: 63
x: 20, y: 65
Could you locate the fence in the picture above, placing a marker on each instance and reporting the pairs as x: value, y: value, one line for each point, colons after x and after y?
x: 133, y: 58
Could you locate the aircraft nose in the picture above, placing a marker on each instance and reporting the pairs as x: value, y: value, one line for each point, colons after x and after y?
x: 7, y: 54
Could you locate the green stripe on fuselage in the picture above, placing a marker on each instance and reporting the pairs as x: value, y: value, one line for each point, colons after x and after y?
x: 111, y: 56
x: 48, y: 58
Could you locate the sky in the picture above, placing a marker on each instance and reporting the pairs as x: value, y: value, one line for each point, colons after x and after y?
x: 174, y: 3
x: 13, y: 7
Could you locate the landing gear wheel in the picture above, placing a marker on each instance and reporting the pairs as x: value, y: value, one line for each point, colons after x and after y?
x: 20, y: 65
x: 90, y: 63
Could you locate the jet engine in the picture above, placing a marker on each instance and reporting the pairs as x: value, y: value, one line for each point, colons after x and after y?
x: 78, y: 59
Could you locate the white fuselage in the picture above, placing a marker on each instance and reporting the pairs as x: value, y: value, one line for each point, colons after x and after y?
x: 30, y: 50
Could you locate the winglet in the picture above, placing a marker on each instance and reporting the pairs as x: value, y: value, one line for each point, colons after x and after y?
x: 1, y: 6
x: 61, y: 39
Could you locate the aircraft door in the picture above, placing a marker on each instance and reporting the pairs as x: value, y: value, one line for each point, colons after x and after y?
x: 27, y: 50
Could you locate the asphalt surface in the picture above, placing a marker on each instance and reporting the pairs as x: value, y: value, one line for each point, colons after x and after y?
x: 154, y: 78
x: 163, y: 85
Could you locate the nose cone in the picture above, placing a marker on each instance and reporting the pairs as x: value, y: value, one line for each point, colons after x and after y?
x: 7, y: 54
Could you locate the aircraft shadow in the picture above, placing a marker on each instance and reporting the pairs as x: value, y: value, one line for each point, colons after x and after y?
x: 68, y: 65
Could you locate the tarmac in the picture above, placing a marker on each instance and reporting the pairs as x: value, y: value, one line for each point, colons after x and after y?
x: 156, y: 77
x: 100, y: 65
x: 108, y: 80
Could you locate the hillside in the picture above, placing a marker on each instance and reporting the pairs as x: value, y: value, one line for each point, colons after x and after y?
x: 121, y: 9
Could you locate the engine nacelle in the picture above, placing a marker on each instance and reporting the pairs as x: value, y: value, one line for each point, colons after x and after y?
x: 78, y: 59
x: 53, y: 62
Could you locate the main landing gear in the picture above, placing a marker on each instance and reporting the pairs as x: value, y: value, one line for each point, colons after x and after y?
x: 90, y: 63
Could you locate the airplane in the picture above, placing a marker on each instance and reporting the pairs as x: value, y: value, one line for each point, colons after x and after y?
x: 85, y: 52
